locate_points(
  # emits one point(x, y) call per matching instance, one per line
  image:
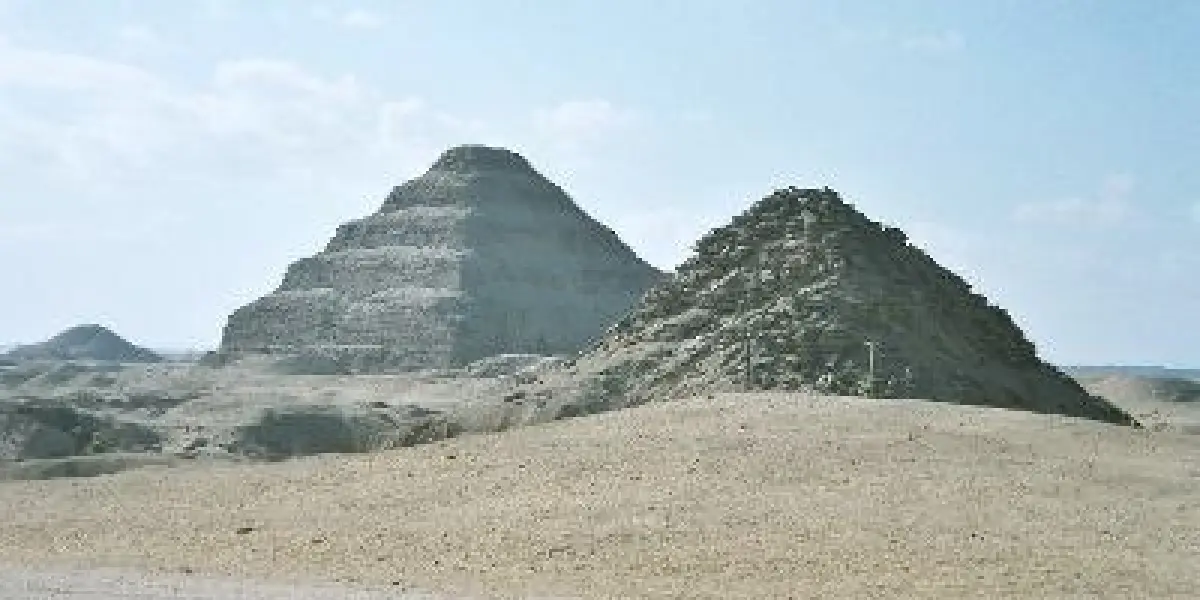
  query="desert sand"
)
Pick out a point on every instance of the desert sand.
point(736, 496)
point(112, 584)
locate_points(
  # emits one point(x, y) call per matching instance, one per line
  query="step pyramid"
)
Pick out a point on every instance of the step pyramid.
point(479, 256)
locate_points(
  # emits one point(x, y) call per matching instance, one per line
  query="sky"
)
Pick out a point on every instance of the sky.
point(162, 162)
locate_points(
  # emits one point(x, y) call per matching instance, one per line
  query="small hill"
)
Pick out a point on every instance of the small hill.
point(803, 292)
point(85, 342)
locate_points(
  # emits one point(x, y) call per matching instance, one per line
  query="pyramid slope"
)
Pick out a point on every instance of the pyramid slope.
point(792, 294)
point(85, 342)
point(479, 256)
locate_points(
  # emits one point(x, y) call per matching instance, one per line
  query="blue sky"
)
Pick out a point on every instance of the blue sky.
point(162, 162)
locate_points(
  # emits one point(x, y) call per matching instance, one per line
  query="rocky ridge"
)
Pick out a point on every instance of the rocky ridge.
point(802, 292)
point(479, 256)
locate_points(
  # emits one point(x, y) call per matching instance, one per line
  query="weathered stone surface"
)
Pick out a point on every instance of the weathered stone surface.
point(85, 342)
point(788, 297)
point(55, 429)
point(319, 429)
point(479, 256)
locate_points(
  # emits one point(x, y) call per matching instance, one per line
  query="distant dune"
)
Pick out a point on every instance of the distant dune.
point(180, 355)
point(1161, 403)
point(1132, 371)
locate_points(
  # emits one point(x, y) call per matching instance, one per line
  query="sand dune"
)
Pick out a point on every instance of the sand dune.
point(731, 497)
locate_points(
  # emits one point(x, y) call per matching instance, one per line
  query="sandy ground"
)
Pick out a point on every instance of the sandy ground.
point(108, 584)
point(765, 496)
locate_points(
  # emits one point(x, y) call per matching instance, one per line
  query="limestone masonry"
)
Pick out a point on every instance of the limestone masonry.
point(803, 292)
point(479, 256)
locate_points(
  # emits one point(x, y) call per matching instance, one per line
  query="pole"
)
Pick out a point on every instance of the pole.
point(870, 368)
point(749, 363)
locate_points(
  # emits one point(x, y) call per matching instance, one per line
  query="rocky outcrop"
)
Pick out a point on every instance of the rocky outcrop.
point(85, 342)
point(803, 292)
point(55, 429)
point(479, 256)
point(304, 430)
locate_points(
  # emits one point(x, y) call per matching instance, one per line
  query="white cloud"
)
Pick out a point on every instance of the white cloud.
point(1172, 263)
point(1116, 187)
point(320, 12)
point(938, 43)
point(410, 124)
point(70, 122)
point(696, 117)
point(951, 247)
point(580, 122)
point(1110, 206)
point(1072, 210)
point(138, 35)
point(7, 9)
point(859, 35)
point(352, 19)
point(946, 42)
point(284, 77)
point(217, 9)
point(35, 69)
point(395, 116)
point(148, 225)
point(361, 19)
point(86, 120)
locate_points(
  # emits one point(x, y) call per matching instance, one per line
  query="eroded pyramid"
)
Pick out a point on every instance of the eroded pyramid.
point(479, 256)
point(792, 295)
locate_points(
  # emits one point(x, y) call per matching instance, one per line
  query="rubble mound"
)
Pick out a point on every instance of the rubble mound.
point(506, 365)
point(320, 429)
point(55, 429)
point(85, 342)
point(802, 292)
point(480, 256)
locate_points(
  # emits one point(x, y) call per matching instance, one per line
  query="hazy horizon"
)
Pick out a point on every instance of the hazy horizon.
point(164, 162)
